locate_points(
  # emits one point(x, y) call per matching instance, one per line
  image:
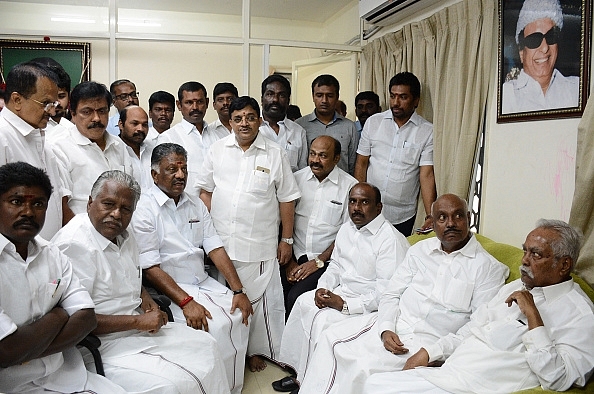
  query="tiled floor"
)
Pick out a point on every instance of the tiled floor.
point(259, 382)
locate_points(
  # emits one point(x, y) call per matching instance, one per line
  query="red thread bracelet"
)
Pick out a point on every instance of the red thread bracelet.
point(185, 301)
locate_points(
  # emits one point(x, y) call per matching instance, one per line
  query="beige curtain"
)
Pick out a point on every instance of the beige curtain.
point(452, 53)
point(582, 207)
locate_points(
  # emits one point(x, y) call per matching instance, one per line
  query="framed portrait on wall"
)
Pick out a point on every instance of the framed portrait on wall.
point(75, 57)
point(544, 59)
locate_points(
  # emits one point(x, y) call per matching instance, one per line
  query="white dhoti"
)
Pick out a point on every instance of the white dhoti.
point(409, 382)
point(228, 330)
point(304, 328)
point(348, 353)
point(263, 286)
point(177, 359)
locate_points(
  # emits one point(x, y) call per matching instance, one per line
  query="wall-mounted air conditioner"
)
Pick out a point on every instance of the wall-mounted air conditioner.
point(388, 12)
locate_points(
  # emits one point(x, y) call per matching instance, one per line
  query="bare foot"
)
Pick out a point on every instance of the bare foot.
point(256, 363)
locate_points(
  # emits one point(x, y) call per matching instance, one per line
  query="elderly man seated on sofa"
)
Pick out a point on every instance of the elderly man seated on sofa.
point(537, 331)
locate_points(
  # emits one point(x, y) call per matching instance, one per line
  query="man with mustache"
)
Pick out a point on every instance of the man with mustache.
point(366, 253)
point(366, 104)
point(396, 154)
point(138, 353)
point(247, 183)
point(133, 131)
point(222, 95)
point(539, 85)
point(276, 94)
point(324, 120)
point(441, 281)
point(537, 331)
point(87, 150)
point(174, 231)
point(192, 132)
point(44, 311)
point(161, 112)
point(31, 98)
point(319, 213)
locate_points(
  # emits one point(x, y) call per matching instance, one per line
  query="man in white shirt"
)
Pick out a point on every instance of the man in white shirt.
point(539, 85)
point(222, 95)
point(192, 132)
point(138, 353)
point(87, 150)
point(396, 154)
point(276, 94)
point(324, 120)
point(367, 103)
point(319, 213)
point(441, 281)
point(123, 93)
point(31, 98)
point(44, 311)
point(247, 184)
point(174, 231)
point(534, 332)
point(134, 127)
point(366, 253)
point(161, 112)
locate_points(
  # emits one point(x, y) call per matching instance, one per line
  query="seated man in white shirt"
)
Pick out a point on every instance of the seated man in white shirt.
point(319, 213)
point(366, 253)
point(535, 332)
point(87, 150)
point(171, 229)
point(44, 311)
point(441, 281)
point(138, 353)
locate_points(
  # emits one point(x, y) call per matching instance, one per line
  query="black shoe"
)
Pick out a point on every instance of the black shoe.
point(285, 385)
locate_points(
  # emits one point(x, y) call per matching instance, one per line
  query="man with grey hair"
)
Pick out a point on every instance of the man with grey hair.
point(440, 283)
point(123, 93)
point(137, 354)
point(174, 232)
point(535, 332)
point(539, 85)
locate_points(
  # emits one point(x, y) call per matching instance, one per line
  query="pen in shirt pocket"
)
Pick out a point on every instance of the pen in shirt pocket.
point(192, 221)
point(57, 283)
point(335, 202)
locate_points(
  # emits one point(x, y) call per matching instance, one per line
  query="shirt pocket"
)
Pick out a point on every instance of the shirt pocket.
point(331, 213)
point(410, 153)
point(454, 293)
point(53, 293)
point(507, 336)
point(293, 155)
point(259, 182)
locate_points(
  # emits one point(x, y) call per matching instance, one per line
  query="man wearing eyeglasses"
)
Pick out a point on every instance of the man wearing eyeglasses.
point(539, 85)
point(31, 98)
point(87, 150)
point(123, 93)
point(247, 183)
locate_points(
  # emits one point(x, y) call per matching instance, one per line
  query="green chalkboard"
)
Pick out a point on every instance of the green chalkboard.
point(75, 57)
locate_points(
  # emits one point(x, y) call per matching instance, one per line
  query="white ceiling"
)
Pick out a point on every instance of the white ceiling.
point(305, 10)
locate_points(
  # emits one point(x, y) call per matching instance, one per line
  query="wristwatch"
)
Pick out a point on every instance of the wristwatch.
point(240, 291)
point(345, 308)
point(319, 263)
point(287, 240)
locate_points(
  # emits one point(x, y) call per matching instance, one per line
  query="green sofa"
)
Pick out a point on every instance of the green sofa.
point(512, 257)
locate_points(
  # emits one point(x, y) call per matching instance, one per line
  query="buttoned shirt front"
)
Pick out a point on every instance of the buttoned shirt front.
point(433, 293)
point(555, 355)
point(19, 141)
point(173, 236)
point(29, 289)
point(246, 190)
point(363, 261)
point(525, 94)
point(341, 129)
point(82, 161)
point(109, 271)
point(290, 136)
point(196, 143)
point(395, 157)
point(320, 211)
point(142, 165)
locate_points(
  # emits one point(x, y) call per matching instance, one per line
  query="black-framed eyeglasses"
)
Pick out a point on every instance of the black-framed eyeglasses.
point(534, 40)
point(126, 96)
point(47, 106)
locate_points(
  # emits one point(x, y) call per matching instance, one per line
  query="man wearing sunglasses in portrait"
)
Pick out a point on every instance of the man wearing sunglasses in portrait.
point(539, 85)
